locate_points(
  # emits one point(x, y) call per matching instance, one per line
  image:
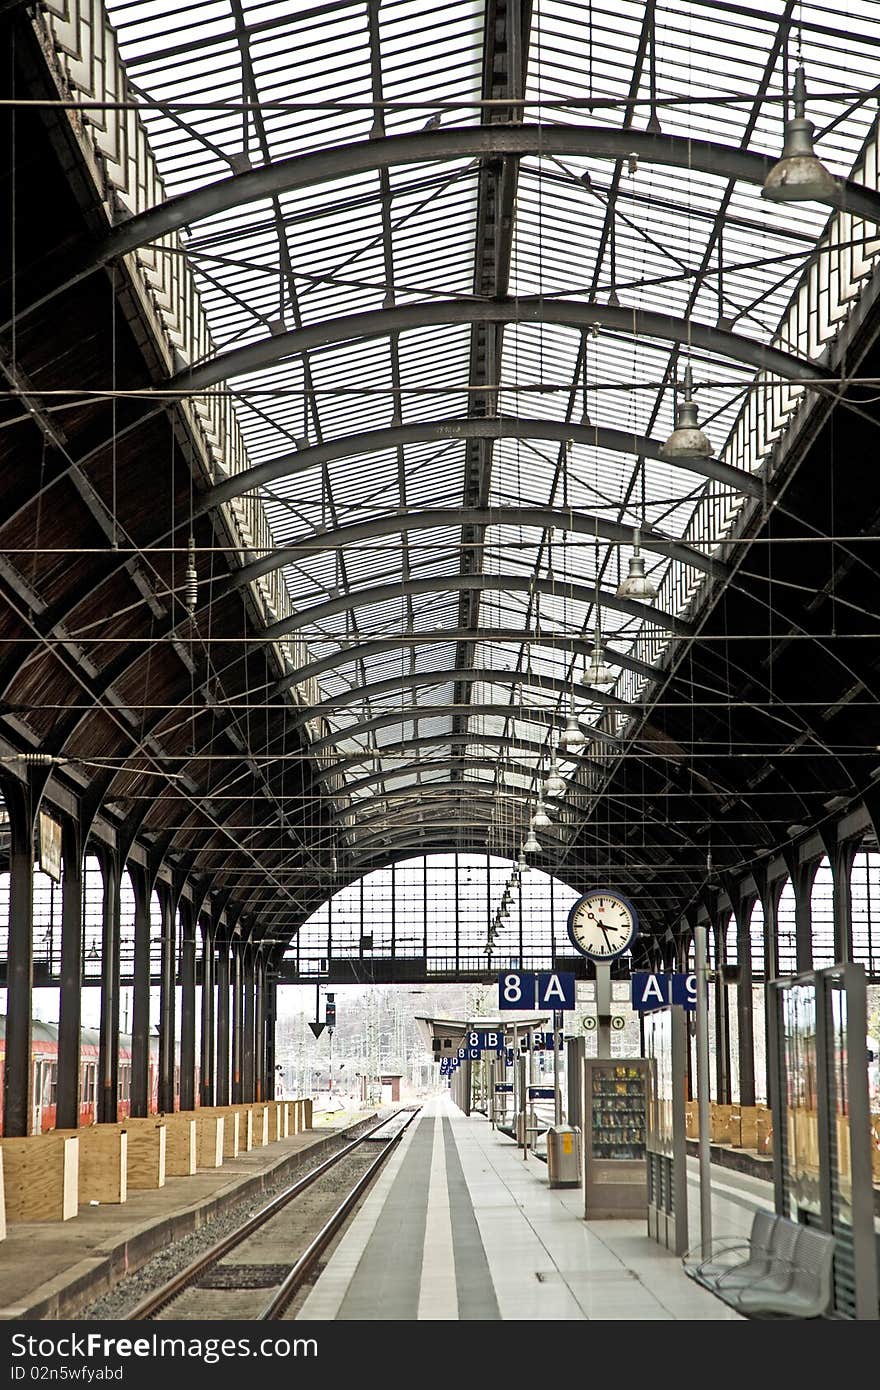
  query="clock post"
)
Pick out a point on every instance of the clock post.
point(603, 1008)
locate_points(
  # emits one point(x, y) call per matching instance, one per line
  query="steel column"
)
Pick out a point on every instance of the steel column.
point(108, 1039)
point(259, 1030)
point(206, 1061)
point(248, 1076)
point(221, 1083)
point(237, 987)
point(70, 991)
point(167, 999)
point(140, 1011)
point(841, 862)
point(745, 1019)
point(722, 1019)
point(19, 969)
point(271, 1015)
point(187, 1011)
point(802, 876)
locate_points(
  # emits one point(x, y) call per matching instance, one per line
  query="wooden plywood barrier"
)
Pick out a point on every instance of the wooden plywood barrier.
point(209, 1138)
point(231, 1130)
point(41, 1177)
point(261, 1124)
point(722, 1124)
point(875, 1146)
point(246, 1129)
point(764, 1132)
point(749, 1126)
point(307, 1113)
point(103, 1163)
point(147, 1143)
point(284, 1114)
point(181, 1147)
point(277, 1124)
point(231, 1127)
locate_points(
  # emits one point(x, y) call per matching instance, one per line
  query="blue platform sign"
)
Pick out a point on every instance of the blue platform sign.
point(655, 990)
point(555, 991)
point(503, 1088)
point(551, 989)
point(684, 990)
point(541, 1093)
point(485, 1041)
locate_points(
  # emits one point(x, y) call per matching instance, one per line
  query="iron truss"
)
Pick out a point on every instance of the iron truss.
point(452, 261)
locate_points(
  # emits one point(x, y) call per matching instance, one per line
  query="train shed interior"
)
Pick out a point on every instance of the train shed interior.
point(437, 484)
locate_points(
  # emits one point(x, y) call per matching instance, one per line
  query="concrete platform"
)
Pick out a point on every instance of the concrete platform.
point(52, 1270)
point(460, 1227)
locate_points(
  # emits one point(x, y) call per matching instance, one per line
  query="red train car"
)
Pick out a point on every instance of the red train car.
point(44, 1076)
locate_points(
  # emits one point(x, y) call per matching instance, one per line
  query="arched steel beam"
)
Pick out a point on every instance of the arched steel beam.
point(380, 323)
point(449, 792)
point(422, 431)
point(362, 651)
point(441, 765)
point(388, 834)
point(443, 807)
point(348, 535)
point(537, 715)
point(418, 745)
point(498, 583)
point(458, 142)
point(432, 518)
point(413, 789)
point(486, 675)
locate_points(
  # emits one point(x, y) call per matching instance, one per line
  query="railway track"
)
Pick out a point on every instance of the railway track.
point(255, 1261)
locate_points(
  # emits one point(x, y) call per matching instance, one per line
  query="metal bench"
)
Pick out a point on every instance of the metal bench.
point(735, 1258)
point(786, 1271)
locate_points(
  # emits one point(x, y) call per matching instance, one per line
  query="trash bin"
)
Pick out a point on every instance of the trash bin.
point(564, 1155)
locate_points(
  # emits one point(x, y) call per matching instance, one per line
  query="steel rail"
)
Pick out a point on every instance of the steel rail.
point(167, 1292)
point(307, 1260)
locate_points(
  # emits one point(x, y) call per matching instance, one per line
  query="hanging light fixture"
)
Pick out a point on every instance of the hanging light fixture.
point(597, 673)
point(531, 845)
point(637, 584)
point(687, 440)
point(540, 820)
point(191, 578)
point(571, 737)
point(553, 784)
point(521, 863)
point(799, 175)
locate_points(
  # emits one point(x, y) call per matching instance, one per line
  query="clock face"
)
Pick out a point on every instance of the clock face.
point(603, 924)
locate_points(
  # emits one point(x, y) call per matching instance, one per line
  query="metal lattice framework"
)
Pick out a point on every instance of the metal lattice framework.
point(408, 293)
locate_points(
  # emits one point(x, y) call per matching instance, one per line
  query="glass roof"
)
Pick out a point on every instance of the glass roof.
point(405, 612)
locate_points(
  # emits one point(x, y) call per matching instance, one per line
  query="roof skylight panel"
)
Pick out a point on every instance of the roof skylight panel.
point(146, 32)
point(428, 48)
point(438, 551)
point(432, 656)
